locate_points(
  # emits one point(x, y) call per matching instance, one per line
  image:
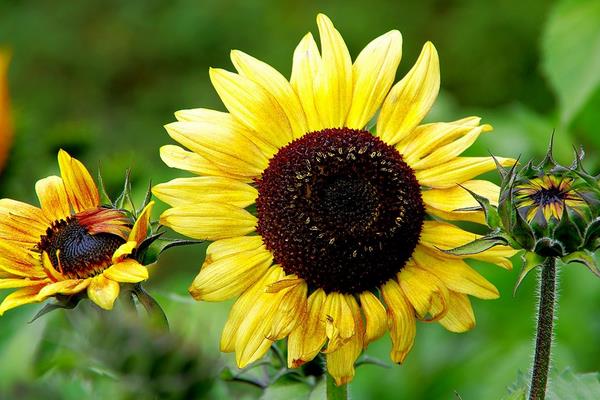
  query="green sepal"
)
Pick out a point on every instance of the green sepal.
point(368, 360)
point(492, 218)
point(591, 234)
point(530, 260)
point(156, 314)
point(547, 247)
point(522, 231)
point(567, 233)
point(584, 257)
point(480, 245)
point(548, 161)
point(104, 197)
point(61, 303)
point(147, 199)
point(125, 196)
point(159, 244)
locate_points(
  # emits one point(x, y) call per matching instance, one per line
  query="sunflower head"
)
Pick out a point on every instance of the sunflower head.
point(72, 245)
point(328, 201)
point(550, 209)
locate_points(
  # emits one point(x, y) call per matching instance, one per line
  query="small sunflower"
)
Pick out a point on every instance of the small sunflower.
point(548, 196)
point(345, 241)
point(70, 244)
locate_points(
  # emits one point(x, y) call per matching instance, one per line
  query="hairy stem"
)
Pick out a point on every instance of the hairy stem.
point(545, 325)
point(335, 392)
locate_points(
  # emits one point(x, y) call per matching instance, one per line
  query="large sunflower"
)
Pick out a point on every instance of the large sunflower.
point(345, 241)
point(70, 245)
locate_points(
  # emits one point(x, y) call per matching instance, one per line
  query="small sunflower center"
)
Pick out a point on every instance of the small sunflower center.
point(547, 196)
point(341, 209)
point(75, 252)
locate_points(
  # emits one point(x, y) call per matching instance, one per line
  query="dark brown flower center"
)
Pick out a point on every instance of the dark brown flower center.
point(74, 251)
point(340, 209)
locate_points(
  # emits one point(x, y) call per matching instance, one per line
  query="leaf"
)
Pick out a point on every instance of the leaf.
point(61, 303)
point(477, 246)
point(571, 54)
point(492, 219)
point(157, 245)
point(530, 260)
point(573, 386)
point(287, 389)
point(583, 257)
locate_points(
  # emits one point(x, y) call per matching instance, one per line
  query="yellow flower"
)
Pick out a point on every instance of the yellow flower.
point(70, 244)
point(346, 240)
point(548, 196)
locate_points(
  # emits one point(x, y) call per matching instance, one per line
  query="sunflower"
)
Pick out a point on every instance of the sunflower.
point(345, 240)
point(70, 244)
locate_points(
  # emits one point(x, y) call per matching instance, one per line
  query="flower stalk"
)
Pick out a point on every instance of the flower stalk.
point(335, 392)
point(544, 333)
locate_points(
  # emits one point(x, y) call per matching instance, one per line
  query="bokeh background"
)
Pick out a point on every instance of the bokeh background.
point(101, 78)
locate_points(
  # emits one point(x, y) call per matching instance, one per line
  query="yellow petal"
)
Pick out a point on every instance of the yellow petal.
point(211, 189)
point(401, 320)
point(20, 261)
point(428, 139)
point(227, 149)
point(253, 106)
point(223, 119)
point(176, 157)
point(455, 273)
point(425, 291)
point(339, 320)
point(437, 235)
point(460, 317)
point(243, 305)
point(306, 66)
point(103, 291)
point(127, 271)
point(252, 340)
point(53, 198)
point(373, 74)
point(21, 222)
point(340, 363)
point(228, 247)
point(209, 221)
point(11, 283)
point(139, 232)
point(375, 316)
point(456, 197)
point(20, 297)
point(229, 276)
point(276, 85)
point(410, 99)
point(67, 287)
point(459, 170)
point(290, 311)
point(308, 337)
point(333, 86)
point(123, 251)
point(81, 189)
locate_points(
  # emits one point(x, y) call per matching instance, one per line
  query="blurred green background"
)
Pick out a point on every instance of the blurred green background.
point(100, 78)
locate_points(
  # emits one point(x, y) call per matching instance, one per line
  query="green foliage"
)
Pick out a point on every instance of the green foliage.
point(571, 50)
point(565, 385)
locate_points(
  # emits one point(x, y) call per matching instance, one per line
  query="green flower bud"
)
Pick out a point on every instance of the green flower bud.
point(549, 209)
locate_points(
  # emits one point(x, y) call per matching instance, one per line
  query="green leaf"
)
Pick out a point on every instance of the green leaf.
point(571, 54)
point(583, 257)
point(492, 219)
point(477, 246)
point(530, 260)
point(61, 303)
point(288, 389)
point(572, 386)
point(156, 245)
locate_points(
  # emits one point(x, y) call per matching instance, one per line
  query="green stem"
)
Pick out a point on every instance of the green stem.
point(335, 392)
point(545, 325)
